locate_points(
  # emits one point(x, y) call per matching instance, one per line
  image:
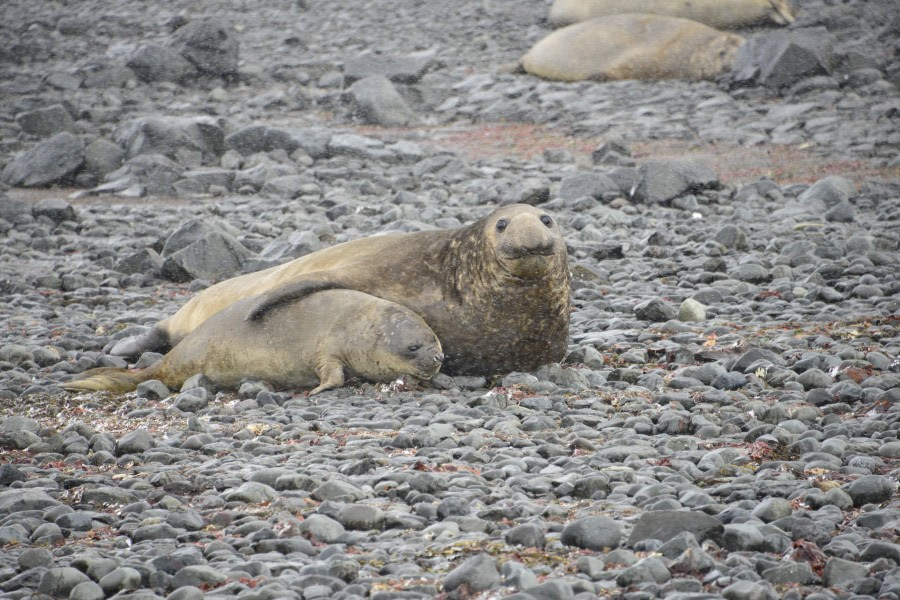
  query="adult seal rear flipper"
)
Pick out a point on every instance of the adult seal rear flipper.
point(155, 340)
point(288, 293)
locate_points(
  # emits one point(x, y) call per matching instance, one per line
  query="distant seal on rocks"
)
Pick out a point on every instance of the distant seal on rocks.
point(496, 292)
point(633, 46)
point(343, 333)
point(719, 14)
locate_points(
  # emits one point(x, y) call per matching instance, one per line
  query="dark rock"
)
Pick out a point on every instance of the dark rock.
point(45, 121)
point(654, 310)
point(210, 45)
point(478, 573)
point(665, 524)
point(660, 182)
point(172, 137)
point(160, 63)
point(870, 489)
point(55, 209)
point(592, 533)
point(102, 157)
point(781, 58)
point(217, 255)
point(53, 160)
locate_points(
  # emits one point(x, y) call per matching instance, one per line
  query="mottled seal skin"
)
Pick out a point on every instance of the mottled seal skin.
point(719, 14)
point(316, 337)
point(633, 46)
point(496, 292)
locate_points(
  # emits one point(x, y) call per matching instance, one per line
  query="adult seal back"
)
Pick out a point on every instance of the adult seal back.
point(719, 14)
point(496, 292)
point(345, 334)
point(633, 46)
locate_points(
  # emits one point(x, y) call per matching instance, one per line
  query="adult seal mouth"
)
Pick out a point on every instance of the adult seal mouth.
point(496, 291)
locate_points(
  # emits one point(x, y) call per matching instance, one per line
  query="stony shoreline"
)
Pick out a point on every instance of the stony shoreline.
point(725, 424)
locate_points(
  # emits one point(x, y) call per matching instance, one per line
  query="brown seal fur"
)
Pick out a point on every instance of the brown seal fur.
point(496, 291)
point(342, 330)
point(633, 46)
point(718, 14)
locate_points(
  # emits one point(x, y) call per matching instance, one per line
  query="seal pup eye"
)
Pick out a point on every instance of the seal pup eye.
point(546, 220)
point(501, 224)
point(413, 348)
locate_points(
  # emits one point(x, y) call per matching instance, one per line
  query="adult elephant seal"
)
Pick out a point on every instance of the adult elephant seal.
point(633, 46)
point(496, 291)
point(719, 14)
point(345, 333)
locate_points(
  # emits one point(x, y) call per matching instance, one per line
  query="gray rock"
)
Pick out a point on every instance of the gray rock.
point(870, 489)
point(322, 528)
point(732, 237)
point(152, 62)
point(592, 533)
point(376, 101)
point(87, 590)
point(691, 311)
point(120, 580)
point(552, 589)
point(829, 192)
point(53, 160)
point(43, 122)
point(135, 442)
point(748, 590)
point(647, 570)
point(843, 573)
point(791, 572)
point(55, 209)
point(781, 58)
point(477, 573)
point(59, 581)
point(210, 45)
point(142, 261)
point(218, 255)
point(527, 534)
point(654, 310)
point(177, 138)
point(360, 516)
point(198, 576)
point(588, 184)
point(102, 157)
point(772, 509)
point(660, 182)
point(251, 492)
point(399, 69)
point(666, 524)
point(339, 491)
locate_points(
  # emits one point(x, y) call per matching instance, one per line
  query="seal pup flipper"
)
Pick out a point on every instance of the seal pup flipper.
point(330, 372)
point(155, 340)
point(287, 294)
point(107, 379)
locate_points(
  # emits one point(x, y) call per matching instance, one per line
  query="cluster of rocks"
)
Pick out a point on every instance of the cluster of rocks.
point(726, 421)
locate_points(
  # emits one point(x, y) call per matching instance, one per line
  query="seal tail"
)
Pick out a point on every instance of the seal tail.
point(107, 379)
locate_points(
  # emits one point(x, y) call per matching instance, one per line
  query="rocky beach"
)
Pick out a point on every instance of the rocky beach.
point(726, 423)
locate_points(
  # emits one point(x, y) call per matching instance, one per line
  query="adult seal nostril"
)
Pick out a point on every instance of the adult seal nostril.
point(495, 305)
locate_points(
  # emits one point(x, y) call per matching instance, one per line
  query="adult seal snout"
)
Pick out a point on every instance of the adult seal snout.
point(496, 291)
point(317, 337)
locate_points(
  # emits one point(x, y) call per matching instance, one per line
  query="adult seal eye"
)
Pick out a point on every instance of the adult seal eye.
point(546, 220)
point(414, 347)
point(501, 224)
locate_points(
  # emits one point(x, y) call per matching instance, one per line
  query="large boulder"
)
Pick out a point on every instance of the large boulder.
point(153, 62)
point(782, 58)
point(174, 137)
point(210, 45)
point(376, 101)
point(53, 160)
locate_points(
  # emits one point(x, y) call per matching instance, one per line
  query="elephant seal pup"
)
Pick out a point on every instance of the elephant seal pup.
point(633, 46)
point(342, 330)
point(496, 292)
point(718, 14)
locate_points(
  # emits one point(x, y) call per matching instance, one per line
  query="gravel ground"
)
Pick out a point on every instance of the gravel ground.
point(726, 422)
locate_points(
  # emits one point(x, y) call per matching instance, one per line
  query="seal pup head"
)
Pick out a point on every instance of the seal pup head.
point(413, 347)
point(526, 241)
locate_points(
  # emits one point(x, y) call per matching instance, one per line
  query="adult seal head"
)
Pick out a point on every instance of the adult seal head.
point(496, 291)
point(346, 334)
